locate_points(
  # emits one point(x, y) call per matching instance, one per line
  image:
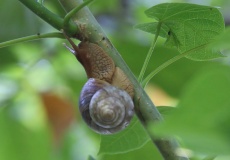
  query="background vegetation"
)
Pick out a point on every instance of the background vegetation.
point(40, 83)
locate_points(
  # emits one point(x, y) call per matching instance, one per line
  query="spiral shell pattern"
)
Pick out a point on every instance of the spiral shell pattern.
point(105, 108)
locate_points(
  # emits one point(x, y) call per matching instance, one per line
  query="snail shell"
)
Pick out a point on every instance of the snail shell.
point(105, 108)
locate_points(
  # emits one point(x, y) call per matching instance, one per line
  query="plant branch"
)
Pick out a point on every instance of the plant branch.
point(30, 38)
point(70, 14)
point(146, 62)
point(145, 109)
point(51, 18)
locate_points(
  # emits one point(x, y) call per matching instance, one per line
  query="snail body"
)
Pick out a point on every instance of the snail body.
point(95, 61)
point(105, 101)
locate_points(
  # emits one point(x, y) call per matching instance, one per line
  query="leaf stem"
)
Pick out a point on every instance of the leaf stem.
point(143, 69)
point(32, 37)
point(70, 14)
point(167, 63)
point(51, 18)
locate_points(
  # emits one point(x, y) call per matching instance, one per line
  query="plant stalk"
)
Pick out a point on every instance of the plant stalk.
point(145, 109)
point(51, 18)
point(31, 38)
point(70, 14)
point(167, 63)
point(150, 52)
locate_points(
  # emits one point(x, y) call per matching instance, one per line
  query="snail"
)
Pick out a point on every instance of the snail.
point(105, 101)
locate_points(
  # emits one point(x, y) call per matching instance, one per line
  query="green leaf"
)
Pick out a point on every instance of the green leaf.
point(147, 152)
point(191, 27)
point(127, 140)
point(152, 27)
point(202, 117)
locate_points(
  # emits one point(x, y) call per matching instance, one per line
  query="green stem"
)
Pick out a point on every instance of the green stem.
point(146, 62)
point(51, 18)
point(30, 38)
point(144, 108)
point(73, 11)
point(167, 63)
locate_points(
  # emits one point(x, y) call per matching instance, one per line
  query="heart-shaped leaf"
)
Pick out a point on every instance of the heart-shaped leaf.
point(189, 27)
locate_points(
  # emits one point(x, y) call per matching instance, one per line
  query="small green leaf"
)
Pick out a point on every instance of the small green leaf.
point(202, 117)
point(191, 27)
point(129, 139)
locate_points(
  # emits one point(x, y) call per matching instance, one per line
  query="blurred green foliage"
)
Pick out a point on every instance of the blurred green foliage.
point(29, 70)
point(202, 116)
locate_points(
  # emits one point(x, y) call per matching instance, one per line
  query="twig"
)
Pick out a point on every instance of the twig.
point(51, 18)
point(31, 38)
